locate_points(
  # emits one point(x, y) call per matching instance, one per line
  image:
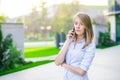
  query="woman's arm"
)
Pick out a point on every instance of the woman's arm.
point(73, 69)
point(61, 55)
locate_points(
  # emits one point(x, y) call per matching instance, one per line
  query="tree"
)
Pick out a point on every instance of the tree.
point(62, 20)
point(37, 21)
point(43, 20)
point(19, 20)
point(43, 13)
point(2, 18)
point(32, 23)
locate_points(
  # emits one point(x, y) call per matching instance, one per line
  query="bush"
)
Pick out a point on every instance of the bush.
point(0, 34)
point(104, 39)
point(62, 37)
point(10, 56)
point(57, 37)
point(2, 18)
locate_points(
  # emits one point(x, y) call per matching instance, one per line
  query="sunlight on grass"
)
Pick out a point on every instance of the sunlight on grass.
point(37, 48)
point(40, 52)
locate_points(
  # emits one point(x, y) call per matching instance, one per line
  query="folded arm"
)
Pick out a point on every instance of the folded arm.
point(61, 55)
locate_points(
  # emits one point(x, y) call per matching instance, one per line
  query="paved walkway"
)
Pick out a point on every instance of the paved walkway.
point(106, 66)
point(39, 44)
point(41, 58)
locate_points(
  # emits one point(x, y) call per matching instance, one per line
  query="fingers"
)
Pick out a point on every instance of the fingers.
point(71, 33)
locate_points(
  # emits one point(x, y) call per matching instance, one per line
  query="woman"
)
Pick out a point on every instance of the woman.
point(78, 50)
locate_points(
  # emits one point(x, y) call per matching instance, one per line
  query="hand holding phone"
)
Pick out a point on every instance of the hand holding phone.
point(71, 34)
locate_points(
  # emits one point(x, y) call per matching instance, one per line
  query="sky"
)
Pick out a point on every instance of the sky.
point(14, 8)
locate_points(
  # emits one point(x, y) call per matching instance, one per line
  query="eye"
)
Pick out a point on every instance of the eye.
point(75, 23)
point(81, 23)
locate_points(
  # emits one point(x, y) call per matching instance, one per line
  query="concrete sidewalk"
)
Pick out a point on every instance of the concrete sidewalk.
point(45, 72)
point(41, 58)
point(105, 66)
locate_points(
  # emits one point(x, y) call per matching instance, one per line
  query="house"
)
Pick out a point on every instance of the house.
point(114, 18)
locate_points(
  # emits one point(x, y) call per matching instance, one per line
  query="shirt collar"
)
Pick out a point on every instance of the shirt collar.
point(81, 41)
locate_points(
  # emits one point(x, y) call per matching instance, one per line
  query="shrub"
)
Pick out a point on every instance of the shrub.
point(57, 39)
point(10, 56)
point(104, 39)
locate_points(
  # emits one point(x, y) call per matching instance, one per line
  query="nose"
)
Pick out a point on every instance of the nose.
point(77, 26)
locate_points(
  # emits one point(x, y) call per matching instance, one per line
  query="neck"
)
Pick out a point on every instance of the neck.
point(79, 38)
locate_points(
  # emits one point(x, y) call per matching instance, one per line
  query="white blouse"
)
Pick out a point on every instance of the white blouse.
point(78, 57)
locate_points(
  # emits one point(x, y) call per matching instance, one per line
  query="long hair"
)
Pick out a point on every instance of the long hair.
point(89, 34)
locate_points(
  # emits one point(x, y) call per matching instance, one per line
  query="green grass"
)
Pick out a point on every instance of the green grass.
point(33, 64)
point(32, 53)
point(40, 52)
point(104, 47)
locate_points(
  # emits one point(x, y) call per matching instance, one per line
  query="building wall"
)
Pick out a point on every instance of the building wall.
point(113, 27)
point(17, 31)
point(97, 29)
point(114, 18)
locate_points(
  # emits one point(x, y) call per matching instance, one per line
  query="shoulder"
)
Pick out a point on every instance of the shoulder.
point(91, 46)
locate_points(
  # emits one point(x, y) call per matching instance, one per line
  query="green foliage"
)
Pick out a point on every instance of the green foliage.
point(2, 19)
point(19, 20)
point(63, 19)
point(108, 24)
point(29, 65)
point(104, 39)
point(63, 37)
point(0, 34)
point(10, 56)
point(103, 47)
point(94, 22)
point(57, 37)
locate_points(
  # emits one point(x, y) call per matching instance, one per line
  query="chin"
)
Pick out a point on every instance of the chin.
point(78, 33)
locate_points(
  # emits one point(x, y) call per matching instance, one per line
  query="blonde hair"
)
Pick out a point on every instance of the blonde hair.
point(89, 34)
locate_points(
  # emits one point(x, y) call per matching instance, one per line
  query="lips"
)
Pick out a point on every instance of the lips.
point(77, 30)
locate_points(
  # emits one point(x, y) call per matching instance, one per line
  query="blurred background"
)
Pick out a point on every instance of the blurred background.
point(38, 30)
point(43, 18)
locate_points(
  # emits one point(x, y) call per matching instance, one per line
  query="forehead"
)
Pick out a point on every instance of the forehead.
point(77, 19)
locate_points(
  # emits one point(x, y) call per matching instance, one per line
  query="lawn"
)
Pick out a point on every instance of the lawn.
point(33, 53)
point(40, 51)
point(30, 65)
point(104, 47)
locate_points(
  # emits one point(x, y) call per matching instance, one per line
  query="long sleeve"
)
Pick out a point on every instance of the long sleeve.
point(88, 57)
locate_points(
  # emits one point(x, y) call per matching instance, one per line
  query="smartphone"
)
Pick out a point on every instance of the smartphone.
point(73, 30)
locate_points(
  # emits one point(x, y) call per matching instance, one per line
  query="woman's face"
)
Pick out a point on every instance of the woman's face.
point(79, 27)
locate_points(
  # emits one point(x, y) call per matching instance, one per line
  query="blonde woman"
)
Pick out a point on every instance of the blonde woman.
point(78, 50)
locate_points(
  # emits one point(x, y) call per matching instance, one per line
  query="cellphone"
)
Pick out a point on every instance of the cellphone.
point(73, 30)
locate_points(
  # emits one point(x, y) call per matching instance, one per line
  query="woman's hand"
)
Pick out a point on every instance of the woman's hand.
point(70, 36)
point(64, 64)
point(73, 69)
point(61, 55)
